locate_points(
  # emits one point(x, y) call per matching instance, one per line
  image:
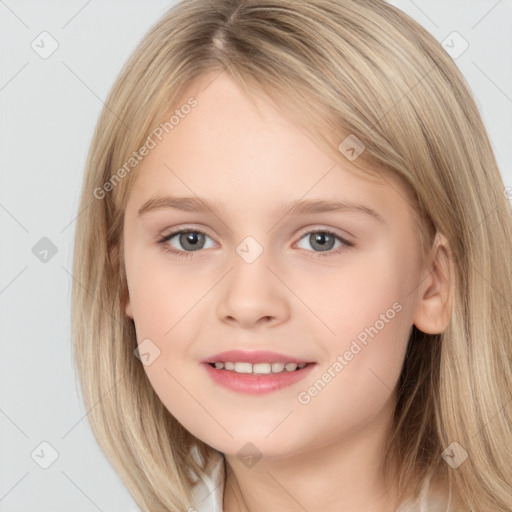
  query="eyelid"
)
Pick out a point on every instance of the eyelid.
point(186, 227)
point(344, 235)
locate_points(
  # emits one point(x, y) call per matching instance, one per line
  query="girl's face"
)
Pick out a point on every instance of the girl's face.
point(343, 300)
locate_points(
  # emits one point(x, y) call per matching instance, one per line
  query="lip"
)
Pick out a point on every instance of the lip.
point(260, 356)
point(255, 384)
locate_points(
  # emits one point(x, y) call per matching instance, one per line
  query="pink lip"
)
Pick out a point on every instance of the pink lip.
point(255, 384)
point(260, 356)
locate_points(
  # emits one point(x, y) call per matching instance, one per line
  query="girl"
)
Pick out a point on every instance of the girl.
point(292, 279)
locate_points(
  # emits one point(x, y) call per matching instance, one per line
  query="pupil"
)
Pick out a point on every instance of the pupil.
point(190, 240)
point(320, 239)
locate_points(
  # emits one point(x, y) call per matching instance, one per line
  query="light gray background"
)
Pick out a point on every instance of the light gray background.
point(49, 110)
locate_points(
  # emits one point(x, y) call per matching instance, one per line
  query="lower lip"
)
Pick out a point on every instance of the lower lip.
point(257, 384)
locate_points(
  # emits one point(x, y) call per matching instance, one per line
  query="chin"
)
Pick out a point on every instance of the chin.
point(254, 443)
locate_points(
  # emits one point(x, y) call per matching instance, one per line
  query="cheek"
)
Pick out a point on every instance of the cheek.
point(368, 301)
point(162, 295)
point(165, 304)
point(356, 386)
point(370, 315)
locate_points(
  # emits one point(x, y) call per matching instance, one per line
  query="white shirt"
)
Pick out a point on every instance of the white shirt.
point(208, 493)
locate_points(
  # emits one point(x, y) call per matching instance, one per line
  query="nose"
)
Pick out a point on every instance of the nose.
point(252, 294)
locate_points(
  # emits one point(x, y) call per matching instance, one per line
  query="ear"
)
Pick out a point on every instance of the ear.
point(128, 308)
point(117, 263)
point(434, 308)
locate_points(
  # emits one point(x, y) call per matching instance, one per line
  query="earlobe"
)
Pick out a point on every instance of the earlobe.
point(118, 263)
point(433, 312)
point(128, 309)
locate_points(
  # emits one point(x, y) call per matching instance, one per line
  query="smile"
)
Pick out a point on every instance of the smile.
point(257, 378)
point(258, 368)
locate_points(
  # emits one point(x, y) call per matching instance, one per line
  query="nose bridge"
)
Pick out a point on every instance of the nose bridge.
point(252, 290)
point(251, 250)
point(251, 265)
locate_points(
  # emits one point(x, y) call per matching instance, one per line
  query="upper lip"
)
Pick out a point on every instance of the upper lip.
point(260, 356)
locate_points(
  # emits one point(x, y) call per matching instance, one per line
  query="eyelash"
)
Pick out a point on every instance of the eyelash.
point(188, 254)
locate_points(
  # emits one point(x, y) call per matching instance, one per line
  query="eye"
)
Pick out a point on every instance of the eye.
point(189, 240)
point(192, 240)
point(325, 240)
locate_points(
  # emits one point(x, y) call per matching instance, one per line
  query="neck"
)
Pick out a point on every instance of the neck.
point(345, 475)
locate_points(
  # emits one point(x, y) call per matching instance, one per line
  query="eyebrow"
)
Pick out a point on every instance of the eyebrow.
point(305, 206)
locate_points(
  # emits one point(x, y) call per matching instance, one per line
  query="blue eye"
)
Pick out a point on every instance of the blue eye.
point(193, 240)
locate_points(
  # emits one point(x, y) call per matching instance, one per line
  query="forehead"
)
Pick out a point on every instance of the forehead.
point(247, 151)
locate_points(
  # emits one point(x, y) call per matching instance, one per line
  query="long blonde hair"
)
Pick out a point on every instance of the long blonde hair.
point(342, 67)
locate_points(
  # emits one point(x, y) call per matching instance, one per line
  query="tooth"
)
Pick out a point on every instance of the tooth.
point(258, 368)
point(261, 368)
point(243, 367)
point(277, 367)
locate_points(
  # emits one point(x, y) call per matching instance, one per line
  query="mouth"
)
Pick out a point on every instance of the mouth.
point(258, 368)
point(256, 378)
